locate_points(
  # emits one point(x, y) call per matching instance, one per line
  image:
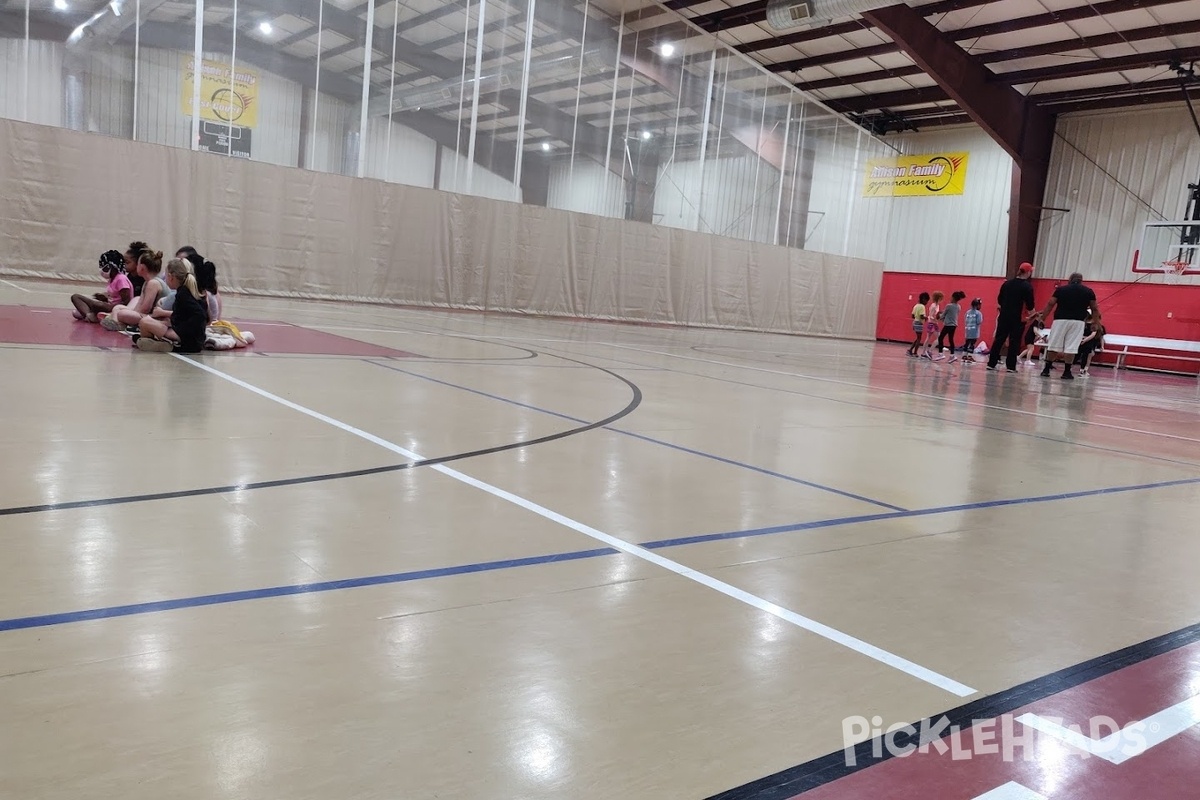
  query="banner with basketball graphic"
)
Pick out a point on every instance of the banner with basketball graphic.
point(224, 97)
point(928, 175)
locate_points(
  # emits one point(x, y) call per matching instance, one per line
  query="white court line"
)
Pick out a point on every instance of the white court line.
point(15, 286)
point(1132, 740)
point(1011, 791)
point(800, 621)
point(784, 373)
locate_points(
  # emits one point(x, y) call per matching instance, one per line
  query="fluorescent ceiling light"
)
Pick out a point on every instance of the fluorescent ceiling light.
point(265, 28)
point(667, 49)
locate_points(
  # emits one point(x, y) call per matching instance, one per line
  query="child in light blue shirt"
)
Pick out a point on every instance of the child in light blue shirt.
point(973, 322)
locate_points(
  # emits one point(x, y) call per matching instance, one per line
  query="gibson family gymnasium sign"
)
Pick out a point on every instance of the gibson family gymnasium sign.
point(926, 175)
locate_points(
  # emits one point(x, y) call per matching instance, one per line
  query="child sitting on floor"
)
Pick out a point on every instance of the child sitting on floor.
point(118, 292)
point(184, 331)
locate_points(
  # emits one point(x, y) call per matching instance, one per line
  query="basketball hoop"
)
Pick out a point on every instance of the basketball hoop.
point(1173, 271)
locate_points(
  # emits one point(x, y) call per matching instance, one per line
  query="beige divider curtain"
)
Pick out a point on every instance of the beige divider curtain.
point(65, 197)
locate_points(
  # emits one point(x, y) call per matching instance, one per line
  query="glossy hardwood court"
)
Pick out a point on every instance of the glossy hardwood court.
point(394, 553)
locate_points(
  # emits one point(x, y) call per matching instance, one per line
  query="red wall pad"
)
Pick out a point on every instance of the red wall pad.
point(1131, 309)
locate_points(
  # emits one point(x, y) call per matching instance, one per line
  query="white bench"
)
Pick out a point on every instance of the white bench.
point(1174, 349)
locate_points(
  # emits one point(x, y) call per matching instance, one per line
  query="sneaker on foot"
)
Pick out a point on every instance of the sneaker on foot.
point(1013, 371)
point(151, 345)
point(1067, 376)
point(109, 323)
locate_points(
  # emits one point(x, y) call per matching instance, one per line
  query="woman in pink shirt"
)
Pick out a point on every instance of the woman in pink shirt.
point(119, 291)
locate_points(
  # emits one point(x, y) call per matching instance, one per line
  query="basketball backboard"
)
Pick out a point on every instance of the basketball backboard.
point(1169, 247)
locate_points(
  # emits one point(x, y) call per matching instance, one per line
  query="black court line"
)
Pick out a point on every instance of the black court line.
point(634, 402)
point(831, 767)
point(906, 412)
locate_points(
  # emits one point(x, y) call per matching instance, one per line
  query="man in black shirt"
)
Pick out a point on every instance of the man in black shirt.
point(1074, 302)
point(1016, 297)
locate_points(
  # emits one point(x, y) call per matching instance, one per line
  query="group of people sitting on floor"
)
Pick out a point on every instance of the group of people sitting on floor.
point(179, 312)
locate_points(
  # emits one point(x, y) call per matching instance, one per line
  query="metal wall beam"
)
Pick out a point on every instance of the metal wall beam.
point(1025, 131)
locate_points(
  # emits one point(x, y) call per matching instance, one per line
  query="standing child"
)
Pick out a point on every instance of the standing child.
point(918, 323)
point(1033, 332)
point(933, 323)
point(1093, 341)
point(974, 322)
point(950, 323)
point(119, 291)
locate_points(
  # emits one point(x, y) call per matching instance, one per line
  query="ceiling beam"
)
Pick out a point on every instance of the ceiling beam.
point(888, 100)
point(1118, 101)
point(841, 28)
point(1049, 48)
point(1024, 130)
point(963, 34)
point(1097, 66)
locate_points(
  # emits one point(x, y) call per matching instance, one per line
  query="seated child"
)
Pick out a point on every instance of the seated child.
point(183, 332)
point(149, 265)
point(118, 292)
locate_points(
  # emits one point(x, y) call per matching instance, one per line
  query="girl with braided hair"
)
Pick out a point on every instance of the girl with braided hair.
point(118, 292)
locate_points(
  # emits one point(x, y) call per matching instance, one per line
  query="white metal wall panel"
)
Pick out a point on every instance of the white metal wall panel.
point(741, 198)
point(107, 76)
point(398, 154)
point(963, 234)
point(736, 196)
point(1115, 172)
point(160, 105)
point(36, 95)
point(483, 182)
point(276, 138)
point(871, 218)
point(327, 140)
point(677, 195)
point(835, 189)
point(587, 188)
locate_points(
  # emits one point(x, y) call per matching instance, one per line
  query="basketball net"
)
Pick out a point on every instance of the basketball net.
point(1173, 271)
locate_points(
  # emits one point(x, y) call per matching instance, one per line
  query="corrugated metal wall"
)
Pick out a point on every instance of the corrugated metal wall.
point(398, 154)
point(736, 196)
point(588, 188)
point(107, 81)
point(1115, 172)
point(159, 76)
point(840, 219)
point(959, 234)
point(677, 195)
point(482, 184)
point(38, 96)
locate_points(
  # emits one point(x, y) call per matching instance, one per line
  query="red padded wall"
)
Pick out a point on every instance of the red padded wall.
point(1134, 309)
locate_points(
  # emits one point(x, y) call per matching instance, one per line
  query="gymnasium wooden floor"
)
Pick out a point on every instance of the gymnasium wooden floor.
point(416, 554)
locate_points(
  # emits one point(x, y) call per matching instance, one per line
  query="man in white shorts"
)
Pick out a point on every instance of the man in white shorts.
point(1071, 303)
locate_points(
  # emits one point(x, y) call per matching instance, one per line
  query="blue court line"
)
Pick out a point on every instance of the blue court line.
point(644, 438)
point(47, 620)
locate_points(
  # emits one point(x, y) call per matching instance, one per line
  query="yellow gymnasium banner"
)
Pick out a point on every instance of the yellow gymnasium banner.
point(928, 175)
point(220, 100)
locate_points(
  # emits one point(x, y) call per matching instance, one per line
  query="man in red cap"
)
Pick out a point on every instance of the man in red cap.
point(1015, 299)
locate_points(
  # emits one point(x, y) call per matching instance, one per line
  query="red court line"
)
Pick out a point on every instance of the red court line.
point(57, 326)
point(1045, 764)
